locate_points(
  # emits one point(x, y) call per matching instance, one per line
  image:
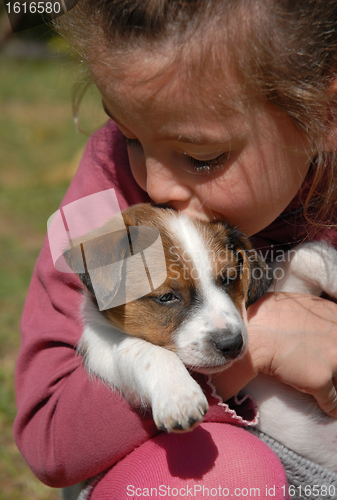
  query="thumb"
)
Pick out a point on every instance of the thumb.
point(234, 378)
point(327, 399)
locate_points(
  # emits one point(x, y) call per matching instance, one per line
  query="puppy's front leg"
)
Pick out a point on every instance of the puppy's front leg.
point(145, 374)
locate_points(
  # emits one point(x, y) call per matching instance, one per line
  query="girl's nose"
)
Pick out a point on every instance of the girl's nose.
point(165, 184)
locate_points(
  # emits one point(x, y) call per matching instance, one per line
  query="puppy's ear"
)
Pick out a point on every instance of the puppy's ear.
point(75, 259)
point(260, 278)
point(93, 255)
point(254, 271)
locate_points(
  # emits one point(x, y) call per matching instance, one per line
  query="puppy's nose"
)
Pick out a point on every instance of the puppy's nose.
point(228, 343)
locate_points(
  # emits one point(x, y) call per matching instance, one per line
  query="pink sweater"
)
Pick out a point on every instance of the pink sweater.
point(68, 427)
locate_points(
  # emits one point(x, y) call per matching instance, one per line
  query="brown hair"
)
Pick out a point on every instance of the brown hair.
point(284, 51)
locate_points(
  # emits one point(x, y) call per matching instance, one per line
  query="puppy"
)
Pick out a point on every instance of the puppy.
point(200, 283)
point(196, 314)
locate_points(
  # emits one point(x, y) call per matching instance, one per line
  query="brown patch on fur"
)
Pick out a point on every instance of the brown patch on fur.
point(145, 317)
point(228, 272)
point(254, 278)
point(239, 291)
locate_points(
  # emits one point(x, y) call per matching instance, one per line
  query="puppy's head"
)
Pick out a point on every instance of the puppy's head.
point(209, 275)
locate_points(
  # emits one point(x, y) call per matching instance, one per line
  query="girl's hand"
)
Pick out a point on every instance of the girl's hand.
point(294, 338)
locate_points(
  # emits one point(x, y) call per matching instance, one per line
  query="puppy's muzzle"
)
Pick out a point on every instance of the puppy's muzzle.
point(227, 343)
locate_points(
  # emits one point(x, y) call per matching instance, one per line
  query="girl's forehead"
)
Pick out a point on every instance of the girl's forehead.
point(150, 77)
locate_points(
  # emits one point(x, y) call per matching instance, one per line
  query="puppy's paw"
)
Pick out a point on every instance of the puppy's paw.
point(180, 410)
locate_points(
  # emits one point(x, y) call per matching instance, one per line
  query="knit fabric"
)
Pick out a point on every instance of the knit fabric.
point(307, 480)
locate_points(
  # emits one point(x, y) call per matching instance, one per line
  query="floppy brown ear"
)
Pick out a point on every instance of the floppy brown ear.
point(74, 257)
point(253, 268)
point(93, 255)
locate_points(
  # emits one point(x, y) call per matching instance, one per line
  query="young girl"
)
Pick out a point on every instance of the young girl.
point(228, 110)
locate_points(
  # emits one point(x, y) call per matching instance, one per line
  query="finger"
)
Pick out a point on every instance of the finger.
point(327, 400)
point(229, 382)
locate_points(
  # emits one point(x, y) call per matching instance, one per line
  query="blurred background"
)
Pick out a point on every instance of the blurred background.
point(40, 149)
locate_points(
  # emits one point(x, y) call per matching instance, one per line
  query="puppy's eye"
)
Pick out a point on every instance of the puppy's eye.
point(227, 278)
point(166, 299)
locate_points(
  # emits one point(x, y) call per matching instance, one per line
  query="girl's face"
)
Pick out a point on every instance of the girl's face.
point(209, 161)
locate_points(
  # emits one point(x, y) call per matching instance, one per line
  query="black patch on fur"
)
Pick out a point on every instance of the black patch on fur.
point(260, 277)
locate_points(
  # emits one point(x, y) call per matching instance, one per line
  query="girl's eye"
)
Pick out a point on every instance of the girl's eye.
point(192, 165)
point(207, 166)
point(132, 143)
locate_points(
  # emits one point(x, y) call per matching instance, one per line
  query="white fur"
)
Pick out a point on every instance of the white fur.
point(312, 268)
point(217, 310)
point(192, 336)
point(193, 246)
point(143, 372)
point(288, 416)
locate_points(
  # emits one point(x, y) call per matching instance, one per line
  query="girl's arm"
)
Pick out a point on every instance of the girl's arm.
point(294, 338)
point(68, 427)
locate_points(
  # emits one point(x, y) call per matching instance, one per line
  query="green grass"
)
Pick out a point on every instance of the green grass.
point(39, 153)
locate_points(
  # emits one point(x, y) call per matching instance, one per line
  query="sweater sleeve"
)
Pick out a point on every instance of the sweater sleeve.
point(69, 427)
